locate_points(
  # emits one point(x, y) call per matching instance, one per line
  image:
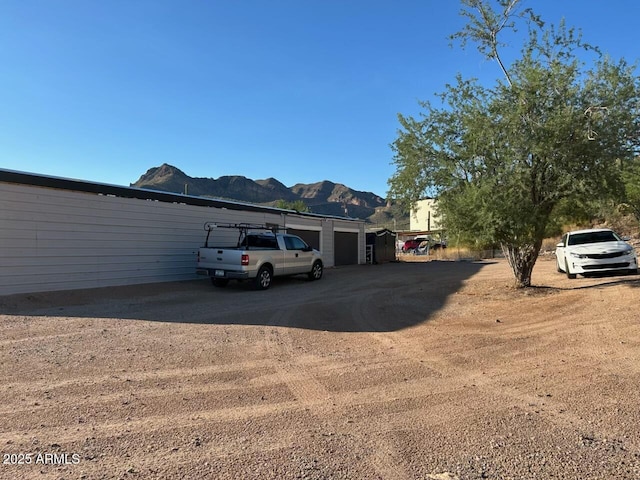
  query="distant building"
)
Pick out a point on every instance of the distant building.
point(423, 217)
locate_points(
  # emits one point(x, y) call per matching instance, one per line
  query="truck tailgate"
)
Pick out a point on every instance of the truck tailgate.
point(218, 262)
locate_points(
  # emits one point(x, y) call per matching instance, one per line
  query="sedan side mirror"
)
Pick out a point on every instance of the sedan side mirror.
point(560, 245)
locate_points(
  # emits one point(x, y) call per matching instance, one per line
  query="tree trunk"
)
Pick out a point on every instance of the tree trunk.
point(522, 259)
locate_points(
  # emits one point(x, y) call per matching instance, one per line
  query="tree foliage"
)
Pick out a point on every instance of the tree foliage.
point(503, 160)
point(297, 205)
point(631, 176)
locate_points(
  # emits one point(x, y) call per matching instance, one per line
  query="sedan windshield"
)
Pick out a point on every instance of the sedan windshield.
point(592, 237)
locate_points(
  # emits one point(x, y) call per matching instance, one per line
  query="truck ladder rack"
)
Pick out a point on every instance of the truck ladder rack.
point(243, 228)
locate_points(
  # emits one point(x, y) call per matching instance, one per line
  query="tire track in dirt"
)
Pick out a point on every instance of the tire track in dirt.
point(386, 457)
point(307, 384)
point(63, 434)
point(387, 460)
point(373, 396)
point(150, 375)
point(363, 395)
point(135, 402)
point(290, 370)
point(40, 338)
point(557, 412)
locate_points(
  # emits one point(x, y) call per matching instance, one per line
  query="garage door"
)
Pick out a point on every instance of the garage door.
point(311, 237)
point(345, 248)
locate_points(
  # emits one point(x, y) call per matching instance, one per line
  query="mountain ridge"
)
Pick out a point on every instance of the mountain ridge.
point(324, 197)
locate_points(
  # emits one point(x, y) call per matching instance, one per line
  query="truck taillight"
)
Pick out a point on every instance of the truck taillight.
point(245, 259)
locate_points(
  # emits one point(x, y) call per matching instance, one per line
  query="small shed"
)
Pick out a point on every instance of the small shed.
point(381, 246)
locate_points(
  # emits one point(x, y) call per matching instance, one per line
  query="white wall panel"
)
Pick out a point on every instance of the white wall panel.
point(53, 239)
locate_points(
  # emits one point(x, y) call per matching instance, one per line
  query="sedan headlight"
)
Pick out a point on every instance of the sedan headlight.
point(578, 255)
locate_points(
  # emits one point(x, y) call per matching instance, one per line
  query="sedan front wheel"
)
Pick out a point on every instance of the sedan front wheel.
point(569, 274)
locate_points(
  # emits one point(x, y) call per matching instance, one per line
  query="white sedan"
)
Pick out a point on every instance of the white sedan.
point(592, 251)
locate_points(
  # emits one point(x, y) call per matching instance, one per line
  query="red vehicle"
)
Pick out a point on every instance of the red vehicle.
point(410, 246)
point(420, 243)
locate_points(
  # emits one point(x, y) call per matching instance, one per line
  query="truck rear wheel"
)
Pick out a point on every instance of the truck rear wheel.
point(263, 279)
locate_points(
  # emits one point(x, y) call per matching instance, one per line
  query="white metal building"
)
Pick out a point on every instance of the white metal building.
point(61, 234)
point(424, 216)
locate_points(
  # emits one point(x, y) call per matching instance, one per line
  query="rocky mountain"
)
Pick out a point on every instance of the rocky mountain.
point(323, 197)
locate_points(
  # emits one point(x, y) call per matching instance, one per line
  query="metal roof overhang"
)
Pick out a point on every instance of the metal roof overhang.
point(46, 181)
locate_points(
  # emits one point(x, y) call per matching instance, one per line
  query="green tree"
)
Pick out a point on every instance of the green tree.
point(297, 205)
point(502, 160)
point(631, 176)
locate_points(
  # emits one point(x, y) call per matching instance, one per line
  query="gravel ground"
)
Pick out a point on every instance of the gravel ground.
point(433, 370)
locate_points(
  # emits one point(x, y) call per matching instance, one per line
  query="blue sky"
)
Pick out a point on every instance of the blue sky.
point(299, 90)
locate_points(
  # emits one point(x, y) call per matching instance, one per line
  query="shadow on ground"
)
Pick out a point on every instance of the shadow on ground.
point(630, 280)
point(371, 298)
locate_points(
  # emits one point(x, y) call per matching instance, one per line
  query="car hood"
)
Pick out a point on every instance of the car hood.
point(600, 248)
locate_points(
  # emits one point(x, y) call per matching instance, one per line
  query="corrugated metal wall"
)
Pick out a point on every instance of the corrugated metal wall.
point(56, 239)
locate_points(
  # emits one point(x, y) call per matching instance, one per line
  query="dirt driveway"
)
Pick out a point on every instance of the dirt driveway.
point(431, 370)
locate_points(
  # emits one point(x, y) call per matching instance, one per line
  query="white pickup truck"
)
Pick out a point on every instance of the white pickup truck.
point(259, 256)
